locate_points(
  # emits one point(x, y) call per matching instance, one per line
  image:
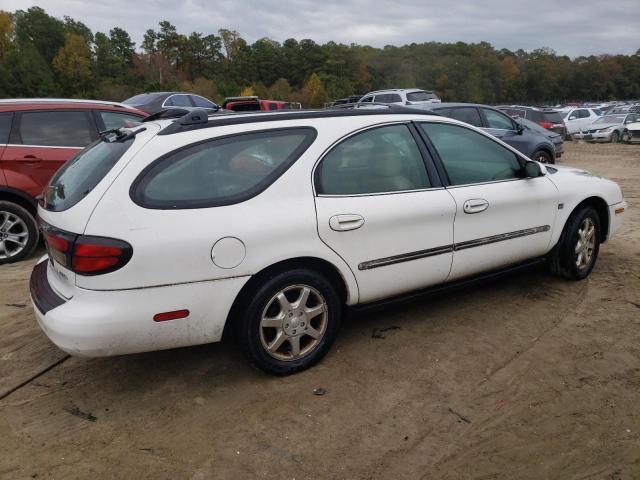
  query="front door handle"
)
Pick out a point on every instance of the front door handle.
point(346, 222)
point(475, 205)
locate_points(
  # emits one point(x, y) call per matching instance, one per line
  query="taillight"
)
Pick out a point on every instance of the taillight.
point(85, 254)
point(547, 125)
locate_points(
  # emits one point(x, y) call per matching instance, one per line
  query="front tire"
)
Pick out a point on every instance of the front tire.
point(18, 233)
point(289, 322)
point(615, 136)
point(577, 250)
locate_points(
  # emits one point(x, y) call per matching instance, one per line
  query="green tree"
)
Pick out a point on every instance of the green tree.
point(44, 31)
point(73, 64)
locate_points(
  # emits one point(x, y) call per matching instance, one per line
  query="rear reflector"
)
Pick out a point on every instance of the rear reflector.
point(619, 210)
point(175, 315)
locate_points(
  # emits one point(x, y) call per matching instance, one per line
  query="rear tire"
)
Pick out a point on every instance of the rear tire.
point(577, 250)
point(289, 322)
point(19, 233)
point(543, 157)
point(626, 137)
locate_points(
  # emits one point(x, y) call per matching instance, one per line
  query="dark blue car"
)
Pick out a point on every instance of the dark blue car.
point(528, 141)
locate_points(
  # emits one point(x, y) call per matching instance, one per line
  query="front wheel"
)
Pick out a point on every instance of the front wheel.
point(626, 137)
point(577, 250)
point(615, 136)
point(289, 322)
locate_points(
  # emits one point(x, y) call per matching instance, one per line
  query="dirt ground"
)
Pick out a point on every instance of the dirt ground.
point(526, 377)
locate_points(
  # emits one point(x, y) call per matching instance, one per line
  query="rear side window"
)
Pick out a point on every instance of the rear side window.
point(56, 129)
point(470, 157)
point(421, 96)
point(82, 173)
point(116, 119)
point(468, 115)
point(222, 171)
point(5, 127)
point(380, 160)
point(367, 99)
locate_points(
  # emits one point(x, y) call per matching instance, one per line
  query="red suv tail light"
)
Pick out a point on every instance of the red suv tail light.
point(85, 254)
point(547, 125)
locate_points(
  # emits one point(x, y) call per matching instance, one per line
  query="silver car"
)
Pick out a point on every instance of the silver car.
point(412, 97)
point(608, 128)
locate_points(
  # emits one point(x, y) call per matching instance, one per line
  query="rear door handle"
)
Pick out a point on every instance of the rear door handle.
point(28, 159)
point(346, 222)
point(475, 205)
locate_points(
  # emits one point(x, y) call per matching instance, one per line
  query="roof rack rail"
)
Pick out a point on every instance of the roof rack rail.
point(236, 118)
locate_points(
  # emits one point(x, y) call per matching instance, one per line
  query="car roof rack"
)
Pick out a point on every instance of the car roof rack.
point(184, 123)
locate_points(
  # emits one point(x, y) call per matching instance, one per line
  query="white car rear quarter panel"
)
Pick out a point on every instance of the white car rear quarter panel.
point(103, 323)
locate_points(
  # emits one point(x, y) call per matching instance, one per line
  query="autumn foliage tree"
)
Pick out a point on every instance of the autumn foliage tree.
point(41, 55)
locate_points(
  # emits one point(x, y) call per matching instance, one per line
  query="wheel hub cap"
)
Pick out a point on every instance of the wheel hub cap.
point(585, 243)
point(293, 322)
point(13, 235)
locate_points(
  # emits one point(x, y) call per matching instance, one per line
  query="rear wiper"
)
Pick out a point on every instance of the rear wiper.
point(120, 136)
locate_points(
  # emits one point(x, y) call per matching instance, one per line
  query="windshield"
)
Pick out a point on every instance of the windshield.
point(140, 99)
point(421, 96)
point(611, 119)
point(82, 173)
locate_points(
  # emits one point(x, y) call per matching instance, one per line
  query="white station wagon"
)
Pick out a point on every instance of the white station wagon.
point(269, 225)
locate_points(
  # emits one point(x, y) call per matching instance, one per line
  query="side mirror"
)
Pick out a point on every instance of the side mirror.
point(532, 170)
point(519, 129)
point(572, 117)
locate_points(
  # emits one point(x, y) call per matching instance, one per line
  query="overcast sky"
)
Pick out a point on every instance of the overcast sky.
point(571, 28)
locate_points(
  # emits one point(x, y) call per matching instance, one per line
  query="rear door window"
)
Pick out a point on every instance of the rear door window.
point(379, 160)
point(5, 127)
point(56, 129)
point(79, 176)
point(222, 171)
point(468, 115)
point(552, 117)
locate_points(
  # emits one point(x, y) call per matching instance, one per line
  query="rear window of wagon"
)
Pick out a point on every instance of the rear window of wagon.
point(80, 174)
point(220, 171)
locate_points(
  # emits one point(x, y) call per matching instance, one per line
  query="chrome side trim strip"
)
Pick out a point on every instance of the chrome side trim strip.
point(499, 238)
point(404, 257)
point(430, 252)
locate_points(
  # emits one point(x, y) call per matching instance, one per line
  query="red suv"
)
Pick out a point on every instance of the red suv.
point(36, 137)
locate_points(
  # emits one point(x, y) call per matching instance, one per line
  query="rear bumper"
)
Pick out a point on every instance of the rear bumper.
point(104, 323)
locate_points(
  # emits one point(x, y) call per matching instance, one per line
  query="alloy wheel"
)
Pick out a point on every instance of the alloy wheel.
point(14, 235)
point(294, 322)
point(585, 244)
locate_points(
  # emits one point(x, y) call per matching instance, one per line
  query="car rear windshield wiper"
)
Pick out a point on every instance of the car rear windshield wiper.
point(120, 136)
